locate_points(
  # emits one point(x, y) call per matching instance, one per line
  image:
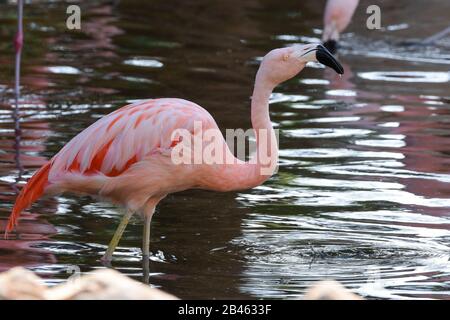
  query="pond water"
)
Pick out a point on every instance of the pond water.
point(362, 194)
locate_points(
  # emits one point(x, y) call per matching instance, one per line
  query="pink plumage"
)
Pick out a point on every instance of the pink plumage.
point(337, 16)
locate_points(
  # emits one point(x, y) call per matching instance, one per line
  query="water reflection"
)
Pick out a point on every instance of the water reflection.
point(362, 192)
point(407, 76)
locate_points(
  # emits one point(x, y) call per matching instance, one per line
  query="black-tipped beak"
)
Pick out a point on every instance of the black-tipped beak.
point(326, 58)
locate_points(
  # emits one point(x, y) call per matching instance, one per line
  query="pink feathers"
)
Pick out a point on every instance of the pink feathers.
point(30, 193)
point(126, 136)
point(338, 14)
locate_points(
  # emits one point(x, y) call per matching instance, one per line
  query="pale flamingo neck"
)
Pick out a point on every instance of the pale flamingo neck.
point(266, 155)
point(245, 175)
point(260, 103)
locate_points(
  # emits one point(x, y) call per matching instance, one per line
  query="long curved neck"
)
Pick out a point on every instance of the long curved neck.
point(260, 103)
point(265, 158)
point(245, 175)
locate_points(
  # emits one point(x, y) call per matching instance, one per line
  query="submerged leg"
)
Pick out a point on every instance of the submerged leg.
point(117, 235)
point(146, 247)
point(146, 270)
point(146, 236)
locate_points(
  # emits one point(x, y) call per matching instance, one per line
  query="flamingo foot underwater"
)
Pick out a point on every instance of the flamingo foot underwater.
point(126, 157)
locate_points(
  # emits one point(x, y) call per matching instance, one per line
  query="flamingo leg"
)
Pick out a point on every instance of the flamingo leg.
point(146, 247)
point(117, 235)
point(146, 237)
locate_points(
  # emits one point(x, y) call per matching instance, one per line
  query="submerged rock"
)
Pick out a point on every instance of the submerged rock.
point(20, 283)
point(330, 290)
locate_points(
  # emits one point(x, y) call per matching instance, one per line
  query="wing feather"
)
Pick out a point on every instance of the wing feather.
point(126, 136)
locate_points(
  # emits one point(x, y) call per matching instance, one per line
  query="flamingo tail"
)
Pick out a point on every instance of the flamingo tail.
point(29, 194)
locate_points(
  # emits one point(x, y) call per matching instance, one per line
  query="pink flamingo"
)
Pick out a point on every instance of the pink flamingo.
point(338, 14)
point(125, 157)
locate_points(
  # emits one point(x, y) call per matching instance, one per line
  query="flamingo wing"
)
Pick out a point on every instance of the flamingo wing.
point(124, 137)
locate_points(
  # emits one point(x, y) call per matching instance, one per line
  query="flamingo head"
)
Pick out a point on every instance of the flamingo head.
point(282, 64)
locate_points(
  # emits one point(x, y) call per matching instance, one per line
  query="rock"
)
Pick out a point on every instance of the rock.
point(329, 290)
point(106, 284)
point(20, 283)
